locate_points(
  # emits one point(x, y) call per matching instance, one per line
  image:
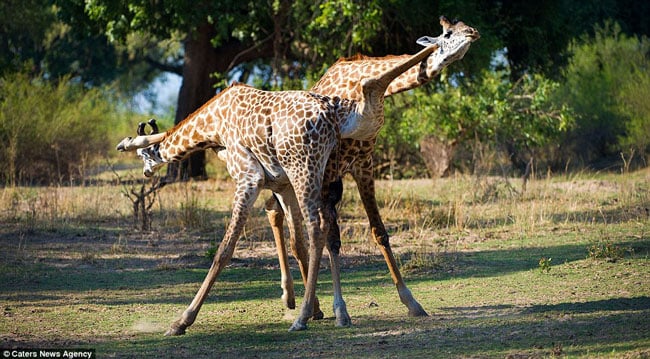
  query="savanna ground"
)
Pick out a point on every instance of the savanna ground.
point(561, 269)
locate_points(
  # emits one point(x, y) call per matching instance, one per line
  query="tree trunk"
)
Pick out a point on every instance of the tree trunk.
point(199, 63)
point(201, 60)
point(437, 155)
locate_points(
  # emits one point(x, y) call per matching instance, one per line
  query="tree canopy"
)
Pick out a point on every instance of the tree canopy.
point(122, 45)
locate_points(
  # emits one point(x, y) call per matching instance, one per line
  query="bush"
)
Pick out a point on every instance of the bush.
point(50, 132)
point(607, 84)
point(491, 113)
point(634, 104)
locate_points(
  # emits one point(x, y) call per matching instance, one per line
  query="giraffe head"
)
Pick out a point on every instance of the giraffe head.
point(150, 155)
point(151, 158)
point(146, 146)
point(454, 42)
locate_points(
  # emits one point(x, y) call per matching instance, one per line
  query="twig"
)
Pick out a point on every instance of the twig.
point(527, 172)
point(140, 199)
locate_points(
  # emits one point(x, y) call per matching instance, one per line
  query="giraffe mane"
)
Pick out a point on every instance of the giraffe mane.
point(207, 103)
point(362, 57)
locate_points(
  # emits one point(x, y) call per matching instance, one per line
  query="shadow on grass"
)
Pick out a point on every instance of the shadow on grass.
point(641, 303)
point(592, 329)
point(613, 304)
point(42, 283)
point(597, 326)
point(259, 278)
point(492, 263)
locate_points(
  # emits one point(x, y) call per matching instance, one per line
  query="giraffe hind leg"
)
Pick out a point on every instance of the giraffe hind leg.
point(316, 234)
point(366, 185)
point(275, 215)
point(333, 197)
point(288, 204)
point(309, 190)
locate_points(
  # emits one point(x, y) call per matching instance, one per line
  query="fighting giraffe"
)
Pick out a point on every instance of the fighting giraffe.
point(342, 79)
point(280, 141)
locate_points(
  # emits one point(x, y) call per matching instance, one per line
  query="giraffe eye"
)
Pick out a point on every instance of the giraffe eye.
point(448, 34)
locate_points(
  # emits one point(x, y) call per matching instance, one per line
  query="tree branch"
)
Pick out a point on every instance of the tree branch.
point(235, 60)
point(176, 69)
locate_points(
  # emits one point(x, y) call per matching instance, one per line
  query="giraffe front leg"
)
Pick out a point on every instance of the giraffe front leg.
point(362, 174)
point(275, 215)
point(245, 195)
point(220, 261)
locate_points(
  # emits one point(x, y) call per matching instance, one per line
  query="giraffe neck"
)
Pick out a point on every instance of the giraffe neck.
point(368, 117)
point(385, 79)
point(342, 79)
point(415, 76)
point(198, 131)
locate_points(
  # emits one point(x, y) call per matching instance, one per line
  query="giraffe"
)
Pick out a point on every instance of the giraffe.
point(342, 80)
point(282, 141)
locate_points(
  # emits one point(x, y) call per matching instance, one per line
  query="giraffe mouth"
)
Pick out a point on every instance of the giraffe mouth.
point(457, 47)
point(473, 35)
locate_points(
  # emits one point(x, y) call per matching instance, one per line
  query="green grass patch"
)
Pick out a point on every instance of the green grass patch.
point(559, 271)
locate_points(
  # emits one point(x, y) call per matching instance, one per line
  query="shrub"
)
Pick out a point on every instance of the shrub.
point(490, 112)
point(635, 105)
point(50, 131)
point(606, 251)
point(607, 84)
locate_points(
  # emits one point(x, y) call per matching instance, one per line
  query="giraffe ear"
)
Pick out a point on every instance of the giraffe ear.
point(426, 41)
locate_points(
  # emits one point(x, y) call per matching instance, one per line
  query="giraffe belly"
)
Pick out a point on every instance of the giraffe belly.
point(274, 175)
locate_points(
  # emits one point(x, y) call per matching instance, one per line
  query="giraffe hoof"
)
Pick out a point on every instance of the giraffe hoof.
point(418, 312)
point(318, 315)
point(343, 322)
point(174, 331)
point(342, 317)
point(289, 301)
point(298, 326)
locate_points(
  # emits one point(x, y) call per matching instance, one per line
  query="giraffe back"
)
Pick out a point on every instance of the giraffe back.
point(286, 124)
point(280, 129)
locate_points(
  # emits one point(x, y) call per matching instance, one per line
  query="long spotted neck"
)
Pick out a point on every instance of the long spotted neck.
point(368, 117)
point(343, 78)
point(414, 77)
point(199, 131)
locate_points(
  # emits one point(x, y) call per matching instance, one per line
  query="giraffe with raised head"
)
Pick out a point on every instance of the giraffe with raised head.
point(282, 141)
point(342, 79)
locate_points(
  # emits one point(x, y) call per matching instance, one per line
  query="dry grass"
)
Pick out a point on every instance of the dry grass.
point(502, 273)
